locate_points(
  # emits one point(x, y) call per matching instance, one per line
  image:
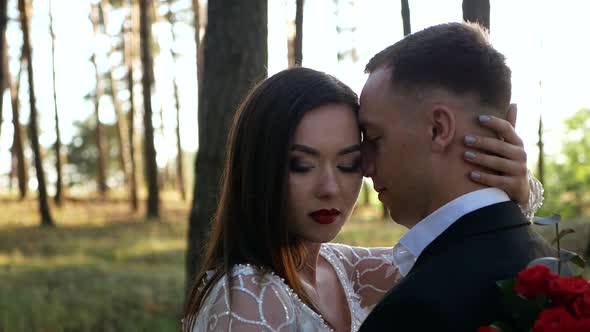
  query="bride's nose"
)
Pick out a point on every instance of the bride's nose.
point(328, 184)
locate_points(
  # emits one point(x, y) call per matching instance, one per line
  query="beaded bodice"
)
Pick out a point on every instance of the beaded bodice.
point(259, 300)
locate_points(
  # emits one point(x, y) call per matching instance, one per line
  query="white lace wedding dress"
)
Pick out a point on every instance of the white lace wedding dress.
point(261, 301)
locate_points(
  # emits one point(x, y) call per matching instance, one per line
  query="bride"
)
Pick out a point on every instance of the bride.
point(291, 179)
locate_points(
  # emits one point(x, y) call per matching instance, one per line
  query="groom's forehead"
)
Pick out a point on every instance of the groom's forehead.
point(378, 83)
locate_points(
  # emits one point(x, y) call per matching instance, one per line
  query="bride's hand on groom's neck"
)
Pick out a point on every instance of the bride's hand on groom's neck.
point(504, 157)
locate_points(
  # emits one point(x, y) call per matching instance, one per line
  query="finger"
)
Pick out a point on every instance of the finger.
point(492, 180)
point(507, 183)
point(512, 114)
point(502, 127)
point(505, 166)
point(496, 147)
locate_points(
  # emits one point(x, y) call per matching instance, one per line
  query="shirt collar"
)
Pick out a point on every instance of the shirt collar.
point(431, 227)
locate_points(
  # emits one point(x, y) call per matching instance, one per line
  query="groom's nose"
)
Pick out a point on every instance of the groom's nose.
point(368, 161)
point(368, 168)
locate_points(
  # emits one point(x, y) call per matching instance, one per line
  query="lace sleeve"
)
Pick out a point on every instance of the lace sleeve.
point(256, 302)
point(370, 270)
point(535, 197)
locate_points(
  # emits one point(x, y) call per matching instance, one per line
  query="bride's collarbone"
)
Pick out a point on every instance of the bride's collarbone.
point(329, 297)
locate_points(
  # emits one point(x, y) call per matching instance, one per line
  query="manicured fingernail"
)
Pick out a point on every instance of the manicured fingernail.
point(484, 118)
point(475, 175)
point(470, 155)
point(470, 140)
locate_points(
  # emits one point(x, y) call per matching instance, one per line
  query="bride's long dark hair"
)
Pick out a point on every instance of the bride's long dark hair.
point(250, 224)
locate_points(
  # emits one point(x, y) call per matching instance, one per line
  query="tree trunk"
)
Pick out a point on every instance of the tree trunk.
point(129, 47)
point(199, 50)
point(477, 11)
point(19, 161)
point(179, 160)
point(541, 162)
point(100, 146)
point(163, 174)
point(179, 163)
point(99, 134)
point(151, 168)
point(235, 58)
point(46, 219)
point(122, 131)
point(3, 51)
point(346, 30)
point(298, 40)
point(57, 146)
point(406, 17)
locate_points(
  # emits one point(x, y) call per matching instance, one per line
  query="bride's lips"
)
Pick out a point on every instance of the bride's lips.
point(324, 216)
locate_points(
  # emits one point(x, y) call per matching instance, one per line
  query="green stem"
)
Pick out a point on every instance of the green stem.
point(558, 250)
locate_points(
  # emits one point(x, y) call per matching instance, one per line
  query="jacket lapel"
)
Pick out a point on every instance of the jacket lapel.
point(493, 218)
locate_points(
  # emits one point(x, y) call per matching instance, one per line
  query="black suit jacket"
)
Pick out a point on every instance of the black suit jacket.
point(452, 285)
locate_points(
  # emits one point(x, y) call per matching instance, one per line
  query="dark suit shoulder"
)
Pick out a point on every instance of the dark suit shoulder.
point(455, 289)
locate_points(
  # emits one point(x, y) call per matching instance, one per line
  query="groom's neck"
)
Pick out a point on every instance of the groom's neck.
point(449, 186)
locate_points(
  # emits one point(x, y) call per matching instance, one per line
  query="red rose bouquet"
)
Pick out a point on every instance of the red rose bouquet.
point(542, 298)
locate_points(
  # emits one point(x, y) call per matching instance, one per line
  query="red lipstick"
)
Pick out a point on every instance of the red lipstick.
point(324, 216)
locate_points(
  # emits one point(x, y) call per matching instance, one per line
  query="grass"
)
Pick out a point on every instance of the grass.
point(101, 269)
point(104, 268)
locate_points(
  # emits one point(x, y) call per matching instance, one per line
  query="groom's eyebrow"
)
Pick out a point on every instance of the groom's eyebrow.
point(364, 125)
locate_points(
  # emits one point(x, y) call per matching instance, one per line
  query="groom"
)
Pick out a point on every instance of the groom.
point(423, 95)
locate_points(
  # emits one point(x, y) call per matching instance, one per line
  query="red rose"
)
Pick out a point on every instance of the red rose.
point(534, 281)
point(555, 320)
point(564, 290)
point(486, 329)
point(583, 325)
point(582, 305)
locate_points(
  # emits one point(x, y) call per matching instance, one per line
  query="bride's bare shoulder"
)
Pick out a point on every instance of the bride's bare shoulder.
point(250, 299)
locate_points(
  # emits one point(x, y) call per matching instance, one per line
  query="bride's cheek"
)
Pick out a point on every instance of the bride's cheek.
point(353, 188)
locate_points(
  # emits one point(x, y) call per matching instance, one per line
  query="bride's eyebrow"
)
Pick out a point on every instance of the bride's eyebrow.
point(305, 149)
point(311, 151)
point(350, 149)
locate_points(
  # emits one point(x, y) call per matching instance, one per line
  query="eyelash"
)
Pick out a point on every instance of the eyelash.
point(373, 141)
point(352, 168)
point(296, 167)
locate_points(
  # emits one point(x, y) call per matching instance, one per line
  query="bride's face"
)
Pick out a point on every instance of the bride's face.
point(324, 172)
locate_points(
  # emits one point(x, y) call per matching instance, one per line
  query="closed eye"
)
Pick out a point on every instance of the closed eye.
point(352, 167)
point(373, 140)
point(297, 166)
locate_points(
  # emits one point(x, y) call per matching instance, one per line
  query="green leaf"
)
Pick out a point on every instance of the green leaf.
point(570, 256)
point(562, 234)
point(545, 221)
point(553, 264)
point(502, 327)
point(550, 262)
point(522, 311)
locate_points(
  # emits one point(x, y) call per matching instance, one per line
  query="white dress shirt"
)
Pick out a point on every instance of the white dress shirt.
point(411, 245)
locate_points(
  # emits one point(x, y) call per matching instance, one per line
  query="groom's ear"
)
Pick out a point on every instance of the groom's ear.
point(442, 128)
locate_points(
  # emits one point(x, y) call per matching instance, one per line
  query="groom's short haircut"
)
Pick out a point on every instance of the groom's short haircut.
point(454, 56)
